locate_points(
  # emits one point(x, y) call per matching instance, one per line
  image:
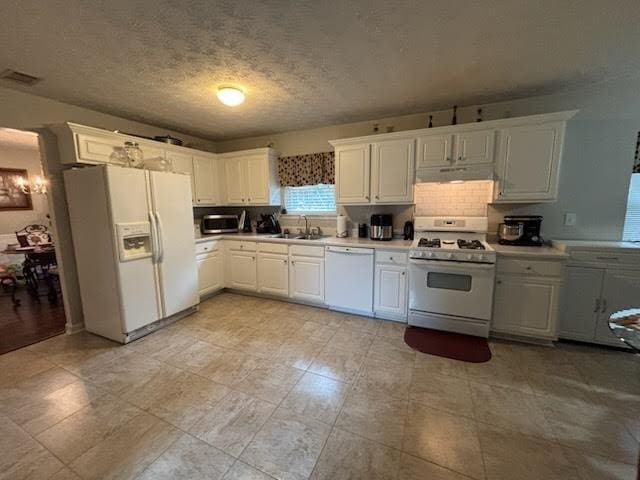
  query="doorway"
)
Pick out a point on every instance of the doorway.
point(31, 304)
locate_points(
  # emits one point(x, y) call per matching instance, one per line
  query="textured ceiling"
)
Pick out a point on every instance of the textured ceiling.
point(310, 63)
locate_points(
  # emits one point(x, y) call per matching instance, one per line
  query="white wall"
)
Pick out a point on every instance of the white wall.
point(597, 160)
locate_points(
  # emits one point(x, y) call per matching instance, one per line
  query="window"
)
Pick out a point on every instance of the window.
point(631, 230)
point(319, 199)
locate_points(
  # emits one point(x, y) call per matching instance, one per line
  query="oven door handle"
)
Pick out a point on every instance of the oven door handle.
point(443, 265)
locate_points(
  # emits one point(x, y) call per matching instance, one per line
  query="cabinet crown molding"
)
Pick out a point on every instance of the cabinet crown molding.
point(465, 127)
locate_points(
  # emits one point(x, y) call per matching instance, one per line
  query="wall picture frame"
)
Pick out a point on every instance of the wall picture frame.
point(12, 198)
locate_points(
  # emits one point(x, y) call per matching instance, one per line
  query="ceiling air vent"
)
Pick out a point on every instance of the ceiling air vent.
point(19, 77)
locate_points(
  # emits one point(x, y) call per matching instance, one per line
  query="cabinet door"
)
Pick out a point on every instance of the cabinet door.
point(474, 148)
point(306, 277)
point(96, 149)
point(528, 163)
point(435, 151)
point(242, 271)
point(234, 175)
point(525, 306)
point(210, 274)
point(580, 303)
point(183, 163)
point(353, 164)
point(620, 291)
point(273, 274)
point(206, 180)
point(393, 171)
point(390, 293)
point(256, 174)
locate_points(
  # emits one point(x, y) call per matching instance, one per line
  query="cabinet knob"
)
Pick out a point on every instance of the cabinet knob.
point(403, 273)
point(284, 261)
point(293, 262)
point(460, 159)
point(367, 197)
point(377, 197)
point(248, 199)
point(391, 258)
point(499, 282)
point(528, 268)
point(242, 199)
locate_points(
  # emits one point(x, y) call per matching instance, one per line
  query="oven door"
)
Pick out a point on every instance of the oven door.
point(451, 288)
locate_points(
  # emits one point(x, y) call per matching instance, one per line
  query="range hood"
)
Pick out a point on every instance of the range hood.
point(455, 173)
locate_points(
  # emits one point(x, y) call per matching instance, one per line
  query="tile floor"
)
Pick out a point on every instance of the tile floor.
point(258, 389)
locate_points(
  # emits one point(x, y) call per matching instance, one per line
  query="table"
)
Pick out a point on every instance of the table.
point(625, 325)
point(39, 261)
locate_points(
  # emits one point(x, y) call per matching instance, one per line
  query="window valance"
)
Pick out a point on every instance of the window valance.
point(308, 169)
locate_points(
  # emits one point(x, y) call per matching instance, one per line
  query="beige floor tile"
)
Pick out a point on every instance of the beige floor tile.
point(508, 408)
point(316, 332)
point(380, 377)
point(350, 457)
point(593, 430)
point(316, 397)
point(28, 460)
point(441, 392)
point(196, 356)
point(413, 468)
point(37, 414)
point(377, 417)
point(270, 383)
point(440, 365)
point(624, 403)
point(392, 350)
point(127, 452)
point(327, 318)
point(123, 373)
point(242, 471)
point(297, 352)
point(391, 329)
point(230, 335)
point(86, 428)
point(231, 423)
point(338, 364)
point(21, 364)
point(177, 397)
point(189, 458)
point(592, 467)
point(260, 344)
point(162, 345)
point(361, 324)
point(509, 455)
point(286, 447)
point(65, 474)
point(447, 440)
point(499, 372)
point(563, 389)
point(351, 340)
point(230, 368)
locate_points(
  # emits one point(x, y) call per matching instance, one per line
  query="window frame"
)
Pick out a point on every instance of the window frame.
point(318, 214)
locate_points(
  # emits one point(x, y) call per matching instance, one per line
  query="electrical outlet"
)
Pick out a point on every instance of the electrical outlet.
point(570, 219)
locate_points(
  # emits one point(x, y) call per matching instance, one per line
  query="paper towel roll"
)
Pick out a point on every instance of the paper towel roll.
point(341, 226)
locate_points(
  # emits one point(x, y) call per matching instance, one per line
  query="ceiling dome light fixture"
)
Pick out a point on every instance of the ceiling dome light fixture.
point(230, 96)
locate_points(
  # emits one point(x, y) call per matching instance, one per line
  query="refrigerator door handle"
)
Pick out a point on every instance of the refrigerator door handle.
point(154, 238)
point(160, 238)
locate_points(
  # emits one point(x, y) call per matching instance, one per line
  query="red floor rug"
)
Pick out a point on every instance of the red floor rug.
point(456, 346)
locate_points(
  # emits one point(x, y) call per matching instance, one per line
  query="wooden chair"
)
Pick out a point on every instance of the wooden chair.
point(8, 281)
point(33, 235)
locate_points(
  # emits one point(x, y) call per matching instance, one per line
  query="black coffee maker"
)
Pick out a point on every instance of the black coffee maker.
point(521, 230)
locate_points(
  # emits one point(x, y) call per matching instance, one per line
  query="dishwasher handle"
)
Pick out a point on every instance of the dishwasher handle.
point(350, 250)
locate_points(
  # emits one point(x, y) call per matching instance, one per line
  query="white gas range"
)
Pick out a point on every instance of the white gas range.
point(451, 275)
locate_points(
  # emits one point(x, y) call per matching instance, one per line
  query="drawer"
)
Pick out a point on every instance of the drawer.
point(279, 248)
point(241, 246)
point(605, 258)
point(207, 247)
point(306, 251)
point(392, 258)
point(530, 267)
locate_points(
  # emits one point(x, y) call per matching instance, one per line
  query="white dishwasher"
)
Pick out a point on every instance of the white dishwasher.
point(349, 279)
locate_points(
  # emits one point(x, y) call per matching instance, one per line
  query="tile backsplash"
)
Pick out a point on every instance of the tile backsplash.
point(455, 199)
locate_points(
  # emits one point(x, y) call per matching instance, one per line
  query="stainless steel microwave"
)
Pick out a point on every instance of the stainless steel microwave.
point(219, 224)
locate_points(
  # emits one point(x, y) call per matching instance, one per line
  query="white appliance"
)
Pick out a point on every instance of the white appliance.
point(451, 275)
point(134, 245)
point(349, 279)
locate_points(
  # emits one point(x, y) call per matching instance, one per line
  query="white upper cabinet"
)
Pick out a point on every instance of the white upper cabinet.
point(393, 171)
point(183, 163)
point(475, 147)
point(435, 150)
point(207, 188)
point(529, 162)
point(251, 177)
point(353, 166)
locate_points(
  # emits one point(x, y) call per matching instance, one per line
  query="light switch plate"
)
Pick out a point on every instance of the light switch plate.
point(570, 219)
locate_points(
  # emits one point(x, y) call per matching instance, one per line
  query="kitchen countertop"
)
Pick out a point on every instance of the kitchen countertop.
point(565, 245)
point(548, 252)
point(395, 244)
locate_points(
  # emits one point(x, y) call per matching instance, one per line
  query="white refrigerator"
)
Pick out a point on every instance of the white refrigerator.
point(134, 245)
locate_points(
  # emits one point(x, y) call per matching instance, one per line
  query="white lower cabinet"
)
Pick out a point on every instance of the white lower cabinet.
point(526, 298)
point(273, 274)
point(390, 286)
point(209, 259)
point(242, 270)
point(306, 279)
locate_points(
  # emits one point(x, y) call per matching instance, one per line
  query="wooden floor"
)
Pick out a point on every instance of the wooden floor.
point(31, 322)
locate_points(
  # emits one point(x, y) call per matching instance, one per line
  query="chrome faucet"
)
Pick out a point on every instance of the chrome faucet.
point(306, 224)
